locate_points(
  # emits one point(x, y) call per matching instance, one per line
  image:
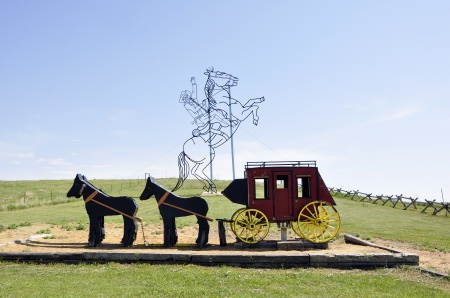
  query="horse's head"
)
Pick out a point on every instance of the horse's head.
point(221, 78)
point(77, 187)
point(149, 189)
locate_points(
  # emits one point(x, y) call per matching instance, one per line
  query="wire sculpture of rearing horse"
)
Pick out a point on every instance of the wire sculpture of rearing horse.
point(172, 206)
point(99, 204)
point(215, 124)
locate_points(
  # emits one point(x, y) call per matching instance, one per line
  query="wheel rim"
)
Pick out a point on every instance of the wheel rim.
point(251, 226)
point(295, 228)
point(318, 222)
point(233, 218)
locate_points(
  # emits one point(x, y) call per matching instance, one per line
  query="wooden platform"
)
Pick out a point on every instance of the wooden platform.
point(275, 254)
point(254, 261)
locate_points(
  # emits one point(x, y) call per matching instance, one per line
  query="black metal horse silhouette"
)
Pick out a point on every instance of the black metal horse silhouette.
point(172, 206)
point(99, 204)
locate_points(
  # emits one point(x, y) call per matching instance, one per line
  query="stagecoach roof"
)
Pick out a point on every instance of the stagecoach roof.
point(272, 164)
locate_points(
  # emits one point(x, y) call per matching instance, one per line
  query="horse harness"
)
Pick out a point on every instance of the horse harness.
point(164, 197)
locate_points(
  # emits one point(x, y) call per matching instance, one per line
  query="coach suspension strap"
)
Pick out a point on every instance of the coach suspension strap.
point(91, 198)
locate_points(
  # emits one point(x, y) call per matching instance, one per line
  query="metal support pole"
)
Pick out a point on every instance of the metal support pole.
point(231, 131)
point(210, 152)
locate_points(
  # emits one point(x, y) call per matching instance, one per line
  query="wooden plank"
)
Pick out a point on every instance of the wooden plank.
point(355, 240)
point(137, 257)
point(363, 260)
point(254, 261)
point(300, 245)
point(242, 259)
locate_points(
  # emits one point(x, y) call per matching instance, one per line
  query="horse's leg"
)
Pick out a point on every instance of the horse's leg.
point(168, 230)
point(251, 108)
point(94, 229)
point(203, 178)
point(203, 232)
point(129, 231)
point(173, 233)
point(253, 101)
point(102, 229)
point(211, 185)
point(125, 228)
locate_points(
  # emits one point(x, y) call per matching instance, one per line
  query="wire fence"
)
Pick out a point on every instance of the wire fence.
point(395, 201)
point(33, 199)
point(15, 195)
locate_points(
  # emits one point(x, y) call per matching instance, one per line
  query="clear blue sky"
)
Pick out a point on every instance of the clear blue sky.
point(362, 87)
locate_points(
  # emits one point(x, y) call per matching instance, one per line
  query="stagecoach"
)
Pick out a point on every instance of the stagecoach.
point(291, 194)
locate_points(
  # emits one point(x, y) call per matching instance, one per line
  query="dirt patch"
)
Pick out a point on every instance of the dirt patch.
point(71, 238)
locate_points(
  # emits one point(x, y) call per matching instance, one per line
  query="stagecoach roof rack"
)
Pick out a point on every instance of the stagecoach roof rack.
point(271, 164)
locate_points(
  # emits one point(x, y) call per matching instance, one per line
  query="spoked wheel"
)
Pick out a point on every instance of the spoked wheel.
point(295, 228)
point(251, 226)
point(233, 218)
point(318, 222)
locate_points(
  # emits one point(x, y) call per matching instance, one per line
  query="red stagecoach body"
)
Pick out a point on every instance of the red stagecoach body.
point(281, 192)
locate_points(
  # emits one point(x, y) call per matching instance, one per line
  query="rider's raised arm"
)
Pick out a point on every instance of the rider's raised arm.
point(194, 89)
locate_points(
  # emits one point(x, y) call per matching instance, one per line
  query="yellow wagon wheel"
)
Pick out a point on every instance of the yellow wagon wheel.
point(233, 218)
point(251, 226)
point(318, 222)
point(295, 228)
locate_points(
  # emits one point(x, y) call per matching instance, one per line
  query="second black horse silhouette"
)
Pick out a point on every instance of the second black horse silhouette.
point(172, 206)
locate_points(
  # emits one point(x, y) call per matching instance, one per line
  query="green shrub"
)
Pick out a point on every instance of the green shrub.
point(67, 227)
point(44, 231)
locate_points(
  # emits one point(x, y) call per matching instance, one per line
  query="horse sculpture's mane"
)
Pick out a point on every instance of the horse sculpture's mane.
point(85, 180)
point(153, 180)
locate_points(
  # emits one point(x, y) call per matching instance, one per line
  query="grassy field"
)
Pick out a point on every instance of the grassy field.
point(362, 219)
point(143, 280)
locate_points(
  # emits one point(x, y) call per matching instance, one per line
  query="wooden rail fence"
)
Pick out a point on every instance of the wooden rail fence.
point(395, 200)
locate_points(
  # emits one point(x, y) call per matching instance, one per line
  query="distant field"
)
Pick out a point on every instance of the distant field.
point(25, 194)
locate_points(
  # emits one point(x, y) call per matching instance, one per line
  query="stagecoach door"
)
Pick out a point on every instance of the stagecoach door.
point(282, 193)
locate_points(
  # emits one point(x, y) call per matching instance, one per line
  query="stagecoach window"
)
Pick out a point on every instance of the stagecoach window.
point(261, 188)
point(303, 187)
point(282, 181)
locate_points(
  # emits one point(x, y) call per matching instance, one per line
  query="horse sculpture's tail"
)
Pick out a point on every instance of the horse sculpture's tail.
point(183, 168)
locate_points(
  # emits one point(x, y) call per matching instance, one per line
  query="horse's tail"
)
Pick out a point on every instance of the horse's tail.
point(183, 169)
